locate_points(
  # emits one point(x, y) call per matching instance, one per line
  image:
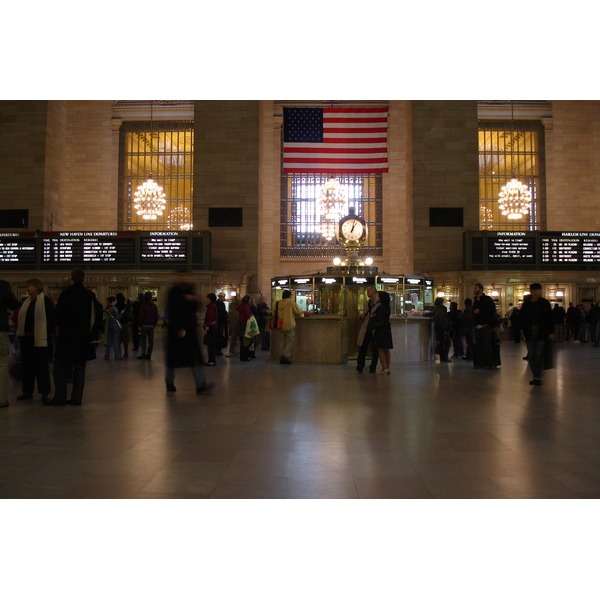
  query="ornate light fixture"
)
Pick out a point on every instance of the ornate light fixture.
point(332, 200)
point(515, 197)
point(180, 218)
point(149, 199)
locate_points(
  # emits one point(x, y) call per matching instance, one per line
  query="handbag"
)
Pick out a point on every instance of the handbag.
point(251, 327)
point(276, 323)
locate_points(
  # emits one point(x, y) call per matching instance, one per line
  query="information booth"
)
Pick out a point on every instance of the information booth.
point(333, 304)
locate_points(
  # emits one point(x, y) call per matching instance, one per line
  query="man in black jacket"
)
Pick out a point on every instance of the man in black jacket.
point(7, 302)
point(484, 315)
point(78, 315)
point(538, 327)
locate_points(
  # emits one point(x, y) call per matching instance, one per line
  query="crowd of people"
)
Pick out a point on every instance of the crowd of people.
point(64, 330)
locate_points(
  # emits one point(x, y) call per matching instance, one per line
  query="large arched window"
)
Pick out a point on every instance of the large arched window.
point(303, 232)
point(167, 149)
point(507, 149)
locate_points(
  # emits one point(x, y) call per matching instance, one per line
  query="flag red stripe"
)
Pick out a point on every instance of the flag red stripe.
point(353, 120)
point(329, 169)
point(341, 161)
point(370, 109)
point(326, 150)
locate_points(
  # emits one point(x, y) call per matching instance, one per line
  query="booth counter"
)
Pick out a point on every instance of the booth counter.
point(323, 339)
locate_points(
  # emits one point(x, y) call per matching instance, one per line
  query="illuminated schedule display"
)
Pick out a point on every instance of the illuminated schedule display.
point(18, 250)
point(511, 249)
point(570, 248)
point(88, 248)
point(164, 247)
point(533, 250)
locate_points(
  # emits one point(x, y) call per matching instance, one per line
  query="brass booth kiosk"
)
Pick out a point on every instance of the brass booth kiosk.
point(333, 303)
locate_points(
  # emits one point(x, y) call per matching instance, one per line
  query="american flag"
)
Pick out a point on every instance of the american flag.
point(335, 140)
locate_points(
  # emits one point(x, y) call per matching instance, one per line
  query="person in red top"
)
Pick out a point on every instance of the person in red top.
point(211, 326)
point(147, 320)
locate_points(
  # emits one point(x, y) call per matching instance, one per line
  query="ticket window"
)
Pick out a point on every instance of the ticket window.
point(328, 300)
point(413, 299)
point(303, 300)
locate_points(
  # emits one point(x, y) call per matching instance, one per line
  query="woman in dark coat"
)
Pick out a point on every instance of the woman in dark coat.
point(379, 323)
point(211, 327)
point(183, 349)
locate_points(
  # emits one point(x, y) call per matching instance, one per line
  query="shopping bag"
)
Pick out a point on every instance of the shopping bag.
point(251, 327)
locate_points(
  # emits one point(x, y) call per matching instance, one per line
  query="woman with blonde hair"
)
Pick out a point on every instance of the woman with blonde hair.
point(34, 330)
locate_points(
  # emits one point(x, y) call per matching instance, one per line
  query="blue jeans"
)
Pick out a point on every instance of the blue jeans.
point(112, 339)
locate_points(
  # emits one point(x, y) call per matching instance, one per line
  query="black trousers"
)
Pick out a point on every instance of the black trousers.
point(362, 353)
point(63, 370)
point(36, 365)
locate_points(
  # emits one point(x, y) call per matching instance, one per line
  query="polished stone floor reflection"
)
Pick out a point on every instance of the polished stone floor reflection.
point(312, 431)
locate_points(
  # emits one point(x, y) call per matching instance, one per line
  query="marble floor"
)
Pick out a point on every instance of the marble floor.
point(313, 431)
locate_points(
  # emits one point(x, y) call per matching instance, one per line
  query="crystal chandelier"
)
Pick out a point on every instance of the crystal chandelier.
point(327, 229)
point(332, 199)
point(514, 199)
point(180, 218)
point(149, 199)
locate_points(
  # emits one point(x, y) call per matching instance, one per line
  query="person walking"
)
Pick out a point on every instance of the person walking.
point(8, 302)
point(538, 328)
point(183, 348)
point(288, 310)
point(78, 317)
point(147, 321)
point(379, 323)
point(365, 334)
point(34, 330)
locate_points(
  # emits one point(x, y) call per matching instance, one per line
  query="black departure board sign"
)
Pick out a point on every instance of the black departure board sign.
point(567, 248)
point(511, 249)
point(18, 250)
point(532, 250)
point(103, 248)
point(164, 247)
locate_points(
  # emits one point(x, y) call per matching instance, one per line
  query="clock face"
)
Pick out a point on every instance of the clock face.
point(352, 230)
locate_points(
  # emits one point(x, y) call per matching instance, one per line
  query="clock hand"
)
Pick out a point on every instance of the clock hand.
point(353, 226)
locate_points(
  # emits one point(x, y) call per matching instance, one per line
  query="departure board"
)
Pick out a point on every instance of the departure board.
point(532, 250)
point(164, 247)
point(18, 250)
point(101, 248)
point(511, 249)
point(570, 248)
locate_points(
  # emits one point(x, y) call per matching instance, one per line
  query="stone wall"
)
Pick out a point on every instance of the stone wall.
point(572, 166)
point(226, 175)
point(22, 157)
point(445, 175)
